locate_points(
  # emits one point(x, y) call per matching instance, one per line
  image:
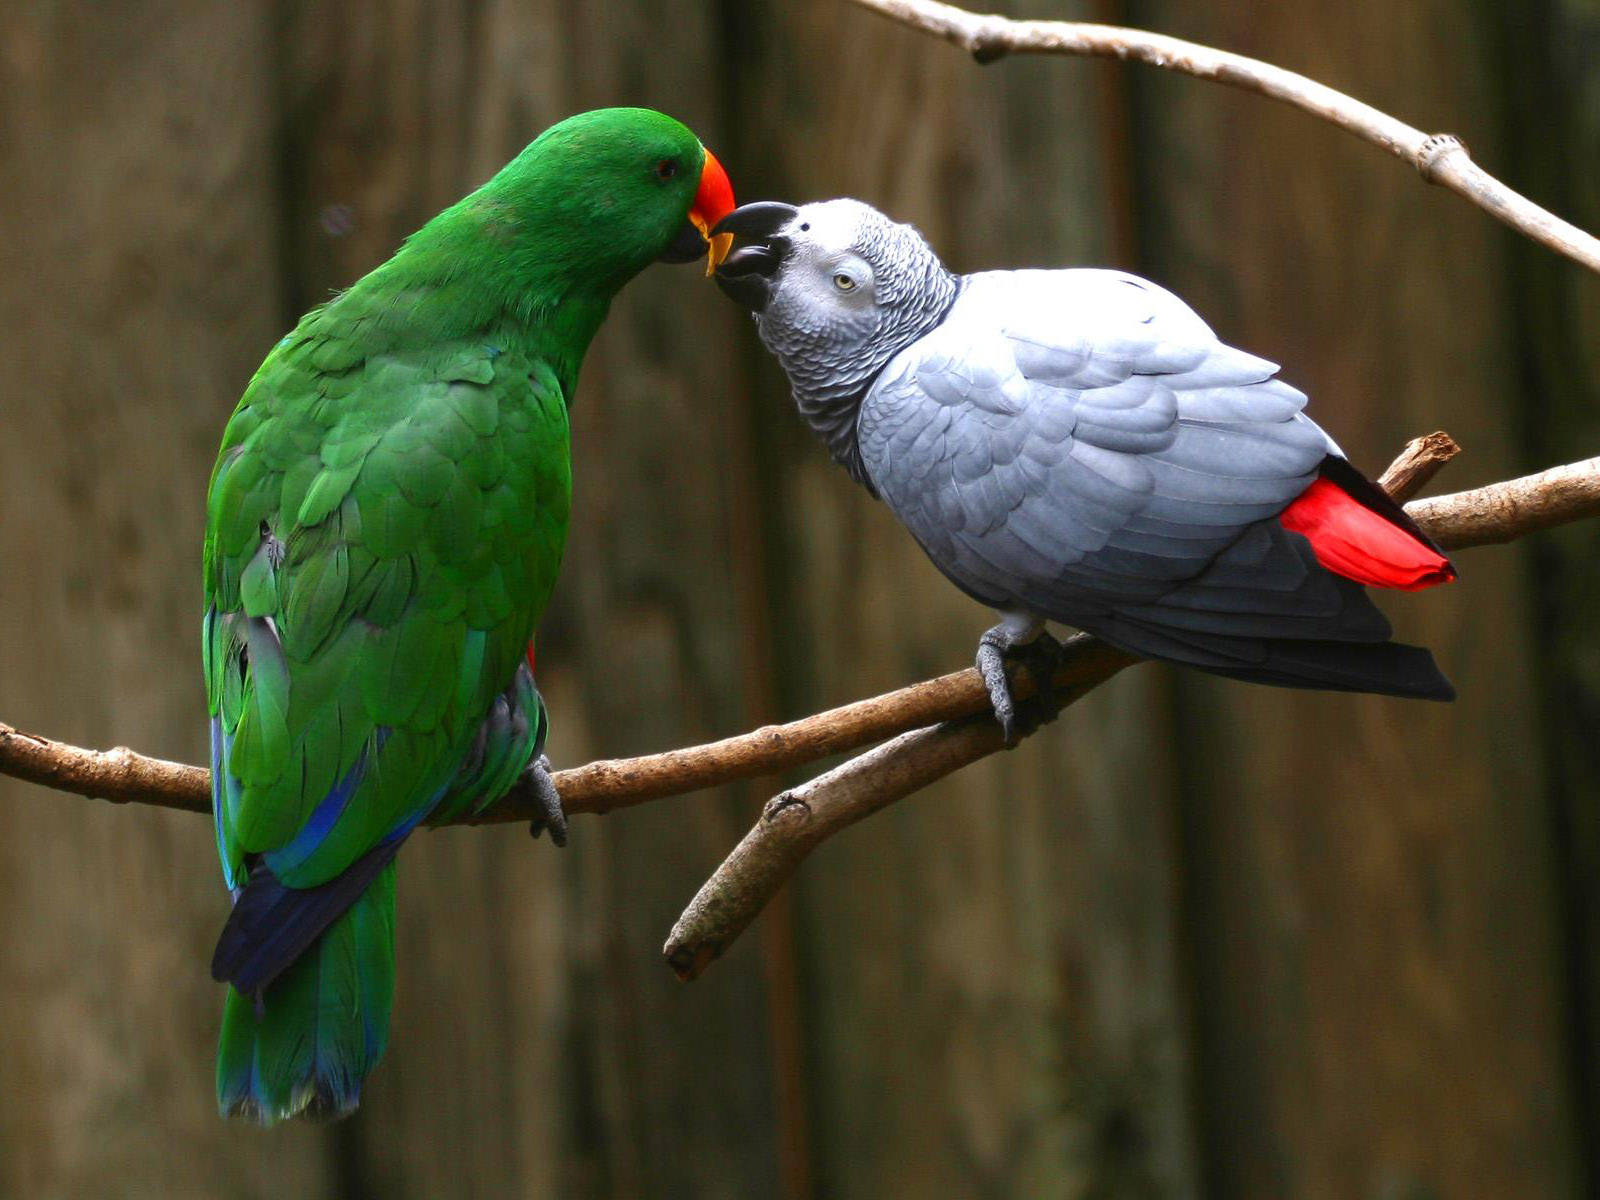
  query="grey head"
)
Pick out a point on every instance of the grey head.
point(837, 289)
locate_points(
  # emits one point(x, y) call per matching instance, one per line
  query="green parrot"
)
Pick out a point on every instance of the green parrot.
point(384, 525)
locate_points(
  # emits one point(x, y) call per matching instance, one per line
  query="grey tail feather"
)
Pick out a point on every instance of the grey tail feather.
point(1388, 669)
point(1382, 668)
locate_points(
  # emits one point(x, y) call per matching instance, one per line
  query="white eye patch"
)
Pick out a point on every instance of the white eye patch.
point(849, 275)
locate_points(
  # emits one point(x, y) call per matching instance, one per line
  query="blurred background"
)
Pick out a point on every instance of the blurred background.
point(1197, 939)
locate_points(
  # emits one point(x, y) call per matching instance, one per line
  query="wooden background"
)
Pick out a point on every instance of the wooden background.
point(1197, 939)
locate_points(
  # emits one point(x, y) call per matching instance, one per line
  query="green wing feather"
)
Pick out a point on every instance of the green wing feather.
point(377, 569)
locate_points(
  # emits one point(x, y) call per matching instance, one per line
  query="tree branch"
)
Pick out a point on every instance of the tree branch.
point(125, 777)
point(796, 821)
point(1440, 158)
point(936, 727)
point(1498, 513)
point(1503, 512)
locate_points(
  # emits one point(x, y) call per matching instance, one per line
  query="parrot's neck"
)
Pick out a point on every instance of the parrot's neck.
point(461, 278)
point(829, 383)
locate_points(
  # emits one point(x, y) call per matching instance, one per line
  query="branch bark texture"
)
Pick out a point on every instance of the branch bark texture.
point(1440, 158)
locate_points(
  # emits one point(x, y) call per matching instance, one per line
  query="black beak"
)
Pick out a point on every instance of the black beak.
point(746, 275)
point(759, 220)
point(687, 246)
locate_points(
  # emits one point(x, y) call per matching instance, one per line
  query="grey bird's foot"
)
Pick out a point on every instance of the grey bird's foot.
point(551, 815)
point(1033, 647)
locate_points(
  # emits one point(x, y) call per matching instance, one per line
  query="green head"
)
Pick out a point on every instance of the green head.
point(588, 205)
point(539, 251)
point(612, 191)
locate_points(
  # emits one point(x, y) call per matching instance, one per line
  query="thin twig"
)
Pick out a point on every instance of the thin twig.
point(796, 821)
point(1440, 158)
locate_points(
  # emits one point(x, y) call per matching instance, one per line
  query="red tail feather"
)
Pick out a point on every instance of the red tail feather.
point(1351, 540)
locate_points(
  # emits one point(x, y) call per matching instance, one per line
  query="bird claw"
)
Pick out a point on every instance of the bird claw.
point(1040, 653)
point(992, 648)
point(551, 815)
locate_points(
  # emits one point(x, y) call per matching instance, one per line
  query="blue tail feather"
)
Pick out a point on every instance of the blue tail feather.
point(272, 925)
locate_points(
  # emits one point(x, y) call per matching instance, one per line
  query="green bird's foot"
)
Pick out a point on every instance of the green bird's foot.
point(543, 789)
point(1039, 652)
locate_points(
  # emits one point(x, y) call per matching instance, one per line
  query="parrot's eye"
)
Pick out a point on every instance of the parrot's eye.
point(844, 283)
point(666, 168)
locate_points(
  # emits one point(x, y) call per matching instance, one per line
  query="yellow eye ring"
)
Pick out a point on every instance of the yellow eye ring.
point(844, 283)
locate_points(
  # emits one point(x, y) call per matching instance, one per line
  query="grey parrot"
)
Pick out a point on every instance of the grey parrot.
point(1077, 446)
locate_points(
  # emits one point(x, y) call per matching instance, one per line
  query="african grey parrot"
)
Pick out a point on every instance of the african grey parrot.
point(1077, 446)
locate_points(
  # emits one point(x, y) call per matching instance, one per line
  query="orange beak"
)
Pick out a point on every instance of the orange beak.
point(713, 201)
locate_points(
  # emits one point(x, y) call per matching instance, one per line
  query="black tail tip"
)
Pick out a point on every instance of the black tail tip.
point(1421, 676)
point(1446, 691)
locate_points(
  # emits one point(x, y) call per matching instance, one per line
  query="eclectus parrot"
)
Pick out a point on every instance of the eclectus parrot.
point(1077, 446)
point(384, 525)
